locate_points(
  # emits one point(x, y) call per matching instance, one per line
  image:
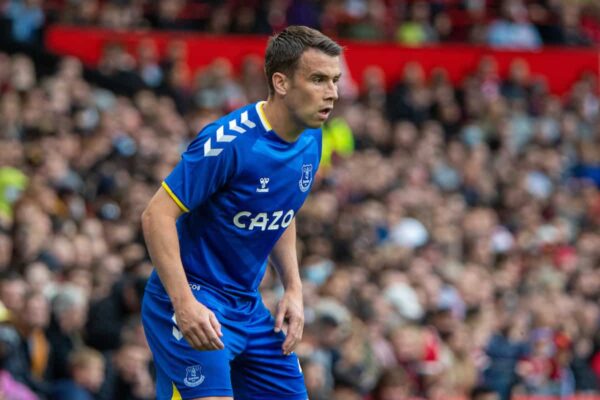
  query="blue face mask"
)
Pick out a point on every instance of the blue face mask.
point(110, 211)
point(125, 146)
point(319, 272)
point(472, 135)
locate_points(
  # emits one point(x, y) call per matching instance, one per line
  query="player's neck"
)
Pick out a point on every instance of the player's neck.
point(281, 121)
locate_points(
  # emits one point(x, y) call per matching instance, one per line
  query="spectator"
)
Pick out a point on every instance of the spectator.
point(315, 377)
point(504, 352)
point(107, 316)
point(418, 30)
point(216, 89)
point(131, 379)
point(410, 98)
point(518, 85)
point(6, 246)
point(12, 184)
point(27, 18)
point(570, 33)
point(119, 15)
point(148, 67)
point(10, 388)
point(65, 333)
point(85, 12)
point(484, 393)
point(167, 15)
point(87, 374)
point(392, 385)
point(514, 30)
point(367, 23)
point(34, 347)
point(12, 293)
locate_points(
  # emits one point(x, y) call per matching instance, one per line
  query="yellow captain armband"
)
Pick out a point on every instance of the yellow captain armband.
point(175, 198)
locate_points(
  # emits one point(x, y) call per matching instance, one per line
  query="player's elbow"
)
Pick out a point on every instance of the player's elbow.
point(157, 217)
point(145, 220)
point(148, 218)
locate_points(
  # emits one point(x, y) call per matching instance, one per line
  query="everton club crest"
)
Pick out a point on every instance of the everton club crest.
point(306, 178)
point(193, 376)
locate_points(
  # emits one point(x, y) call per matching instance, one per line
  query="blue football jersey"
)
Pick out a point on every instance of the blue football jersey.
point(240, 186)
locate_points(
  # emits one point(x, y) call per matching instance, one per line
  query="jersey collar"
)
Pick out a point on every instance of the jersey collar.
point(261, 114)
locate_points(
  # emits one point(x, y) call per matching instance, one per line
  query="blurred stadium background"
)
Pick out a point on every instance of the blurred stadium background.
point(450, 248)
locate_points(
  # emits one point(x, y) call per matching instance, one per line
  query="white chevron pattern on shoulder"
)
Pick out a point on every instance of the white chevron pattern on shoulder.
point(209, 151)
point(234, 127)
point(222, 137)
point(246, 121)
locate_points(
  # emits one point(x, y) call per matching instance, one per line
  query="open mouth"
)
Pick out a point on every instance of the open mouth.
point(324, 112)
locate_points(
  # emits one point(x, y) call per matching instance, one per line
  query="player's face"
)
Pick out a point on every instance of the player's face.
point(313, 88)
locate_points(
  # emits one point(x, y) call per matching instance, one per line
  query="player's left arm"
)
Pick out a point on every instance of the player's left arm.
point(290, 307)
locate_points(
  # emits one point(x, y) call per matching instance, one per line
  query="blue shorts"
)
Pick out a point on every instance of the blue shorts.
point(251, 367)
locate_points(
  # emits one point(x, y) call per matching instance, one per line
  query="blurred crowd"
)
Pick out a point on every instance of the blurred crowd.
point(501, 23)
point(450, 248)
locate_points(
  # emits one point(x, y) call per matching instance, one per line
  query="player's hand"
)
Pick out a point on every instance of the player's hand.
point(291, 309)
point(199, 326)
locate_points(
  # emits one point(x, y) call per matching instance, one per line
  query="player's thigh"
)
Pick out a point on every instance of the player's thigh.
point(262, 371)
point(268, 377)
point(183, 372)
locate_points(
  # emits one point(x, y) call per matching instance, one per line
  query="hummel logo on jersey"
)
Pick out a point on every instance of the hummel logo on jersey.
point(263, 185)
point(222, 137)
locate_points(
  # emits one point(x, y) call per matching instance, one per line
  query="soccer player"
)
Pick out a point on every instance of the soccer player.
point(225, 209)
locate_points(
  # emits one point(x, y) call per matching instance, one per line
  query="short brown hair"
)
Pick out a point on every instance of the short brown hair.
point(285, 49)
point(392, 378)
point(84, 357)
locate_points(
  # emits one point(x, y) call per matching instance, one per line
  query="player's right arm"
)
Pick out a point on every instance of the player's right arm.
point(205, 167)
point(200, 172)
point(196, 322)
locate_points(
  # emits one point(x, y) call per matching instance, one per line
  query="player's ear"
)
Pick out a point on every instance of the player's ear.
point(280, 83)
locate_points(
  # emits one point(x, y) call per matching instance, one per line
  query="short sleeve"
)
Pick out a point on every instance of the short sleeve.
point(204, 168)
